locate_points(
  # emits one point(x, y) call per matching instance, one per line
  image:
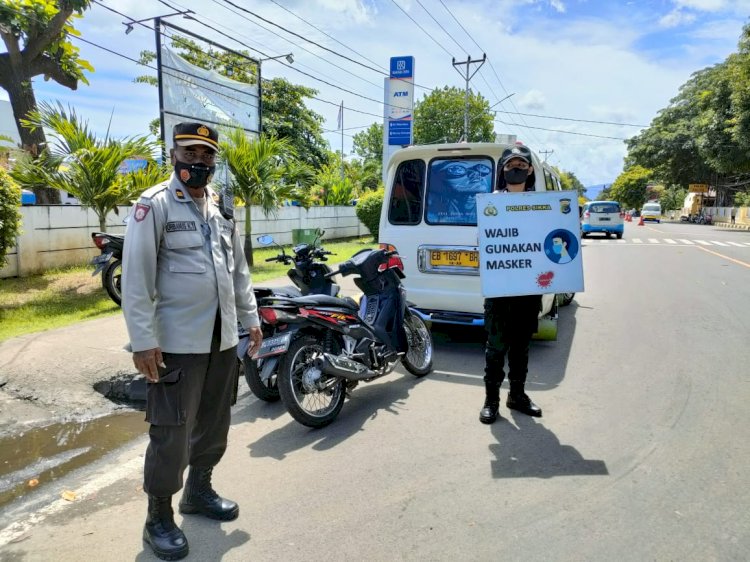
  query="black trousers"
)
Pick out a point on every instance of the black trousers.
point(509, 322)
point(189, 413)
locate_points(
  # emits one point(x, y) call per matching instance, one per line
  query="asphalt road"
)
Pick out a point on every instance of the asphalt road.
point(642, 453)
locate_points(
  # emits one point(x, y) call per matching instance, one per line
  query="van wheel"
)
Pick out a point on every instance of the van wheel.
point(584, 235)
point(619, 235)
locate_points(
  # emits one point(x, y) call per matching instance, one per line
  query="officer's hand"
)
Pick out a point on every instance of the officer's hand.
point(147, 363)
point(256, 337)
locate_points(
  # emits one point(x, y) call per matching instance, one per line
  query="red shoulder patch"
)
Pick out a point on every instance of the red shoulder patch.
point(141, 211)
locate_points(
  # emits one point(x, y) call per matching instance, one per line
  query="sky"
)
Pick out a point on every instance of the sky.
point(562, 62)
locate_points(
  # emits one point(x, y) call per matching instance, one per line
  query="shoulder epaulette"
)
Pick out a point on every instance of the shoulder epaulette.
point(151, 191)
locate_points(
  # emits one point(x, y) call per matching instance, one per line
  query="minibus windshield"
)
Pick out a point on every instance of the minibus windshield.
point(452, 185)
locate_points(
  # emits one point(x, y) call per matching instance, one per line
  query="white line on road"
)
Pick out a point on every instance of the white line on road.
point(719, 243)
point(688, 242)
point(653, 240)
point(637, 241)
point(670, 241)
point(703, 243)
point(737, 244)
point(107, 478)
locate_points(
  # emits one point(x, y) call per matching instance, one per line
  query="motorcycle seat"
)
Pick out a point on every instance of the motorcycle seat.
point(324, 300)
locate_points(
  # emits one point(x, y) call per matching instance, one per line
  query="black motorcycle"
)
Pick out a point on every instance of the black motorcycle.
point(109, 262)
point(328, 345)
point(310, 276)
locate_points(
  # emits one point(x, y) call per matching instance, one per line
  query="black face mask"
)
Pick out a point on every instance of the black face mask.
point(194, 175)
point(515, 175)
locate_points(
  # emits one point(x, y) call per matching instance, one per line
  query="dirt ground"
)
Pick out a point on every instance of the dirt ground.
point(49, 376)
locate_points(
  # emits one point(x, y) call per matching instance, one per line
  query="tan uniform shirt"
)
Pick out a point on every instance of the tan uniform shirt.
point(179, 268)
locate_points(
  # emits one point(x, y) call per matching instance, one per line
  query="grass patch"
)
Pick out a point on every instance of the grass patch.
point(62, 297)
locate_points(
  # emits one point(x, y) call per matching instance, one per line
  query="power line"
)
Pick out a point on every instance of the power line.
point(422, 28)
point(566, 132)
point(441, 27)
point(576, 120)
point(301, 36)
point(327, 35)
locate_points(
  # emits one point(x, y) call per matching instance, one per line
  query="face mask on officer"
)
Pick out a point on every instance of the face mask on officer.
point(516, 175)
point(194, 168)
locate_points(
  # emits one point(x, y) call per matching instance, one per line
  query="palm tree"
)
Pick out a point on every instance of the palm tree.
point(265, 172)
point(85, 166)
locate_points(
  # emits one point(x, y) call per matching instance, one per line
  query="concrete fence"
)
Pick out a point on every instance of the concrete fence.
point(719, 215)
point(60, 235)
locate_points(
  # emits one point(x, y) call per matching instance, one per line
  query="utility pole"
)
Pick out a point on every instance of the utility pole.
point(468, 75)
point(546, 152)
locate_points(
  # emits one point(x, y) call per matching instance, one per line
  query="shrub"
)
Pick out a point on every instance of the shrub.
point(10, 216)
point(368, 210)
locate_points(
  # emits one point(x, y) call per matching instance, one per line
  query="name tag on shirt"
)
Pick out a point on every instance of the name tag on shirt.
point(180, 226)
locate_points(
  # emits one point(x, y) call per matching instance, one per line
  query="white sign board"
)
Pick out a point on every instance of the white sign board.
point(529, 243)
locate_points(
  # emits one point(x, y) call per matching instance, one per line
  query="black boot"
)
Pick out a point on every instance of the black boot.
point(488, 414)
point(160, 532)
point(518, 400)
point(200, 497)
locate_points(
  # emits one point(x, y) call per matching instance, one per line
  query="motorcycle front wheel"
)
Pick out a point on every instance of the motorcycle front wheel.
point(111, 277)
point(312, 398)
point(268, 390)
point(418, 357)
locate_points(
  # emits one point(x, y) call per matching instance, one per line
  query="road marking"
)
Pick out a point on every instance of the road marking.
point(100, 481)
point(454, 374)
point(670, 241)
point(621, 241)
point(747, 243)
point(653, 240)
point(637, 241)
point(738, 262)
point(719, 243)
point(736, 244)
point(688, 242)
point(703, 242)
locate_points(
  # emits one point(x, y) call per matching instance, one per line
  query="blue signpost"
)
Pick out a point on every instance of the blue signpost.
point(400, 102)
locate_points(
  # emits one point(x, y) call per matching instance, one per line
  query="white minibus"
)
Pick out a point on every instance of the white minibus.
point(429, 217)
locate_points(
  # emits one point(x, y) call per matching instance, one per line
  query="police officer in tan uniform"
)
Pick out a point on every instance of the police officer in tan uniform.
point(186, 283)
point(510, 321)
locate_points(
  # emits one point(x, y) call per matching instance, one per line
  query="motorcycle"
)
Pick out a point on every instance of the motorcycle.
point(109, 262)
point(328, 345)
point(309, 276)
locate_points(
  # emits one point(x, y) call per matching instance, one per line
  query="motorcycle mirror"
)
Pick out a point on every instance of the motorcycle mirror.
point(265, 239)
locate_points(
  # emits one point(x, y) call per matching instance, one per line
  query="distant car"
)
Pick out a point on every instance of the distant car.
point(602, 216)
point(651, 212)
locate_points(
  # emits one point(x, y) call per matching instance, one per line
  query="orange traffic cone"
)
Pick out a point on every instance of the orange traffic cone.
point(640, 222)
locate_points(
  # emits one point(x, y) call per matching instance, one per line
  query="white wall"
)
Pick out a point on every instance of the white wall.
point(60, 235)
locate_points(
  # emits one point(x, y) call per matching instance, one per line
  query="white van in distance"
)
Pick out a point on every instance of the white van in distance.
point(429, 217)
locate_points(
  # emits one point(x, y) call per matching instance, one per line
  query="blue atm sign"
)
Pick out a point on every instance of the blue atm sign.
point(402, 67)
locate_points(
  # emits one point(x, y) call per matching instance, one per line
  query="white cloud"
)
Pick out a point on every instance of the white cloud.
point(533, 100)
point(558, 5)
point(703, 5)
point(676, 18)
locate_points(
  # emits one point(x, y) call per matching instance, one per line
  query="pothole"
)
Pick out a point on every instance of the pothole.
point(125, 389)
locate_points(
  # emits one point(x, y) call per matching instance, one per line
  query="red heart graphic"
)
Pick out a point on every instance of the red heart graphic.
point(545, 279)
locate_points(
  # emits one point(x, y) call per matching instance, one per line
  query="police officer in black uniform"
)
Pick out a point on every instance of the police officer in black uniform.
point(185, 285)
point(510, 321)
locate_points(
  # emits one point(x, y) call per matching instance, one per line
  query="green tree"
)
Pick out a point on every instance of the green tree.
point(630, 187)
point(368, 144)
point(88, 167)
point(284, 114)
point(439, 117)
point(37, 38)
point(10, 217)
point(673, 198)
point(260, 175)
point(368, 211)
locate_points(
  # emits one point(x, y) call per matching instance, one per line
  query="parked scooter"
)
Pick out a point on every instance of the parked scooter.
point(309, 276)
point(328, 345)
point(109, 262)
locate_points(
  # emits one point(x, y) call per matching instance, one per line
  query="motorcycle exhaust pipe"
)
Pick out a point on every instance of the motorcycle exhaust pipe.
point(338, 366)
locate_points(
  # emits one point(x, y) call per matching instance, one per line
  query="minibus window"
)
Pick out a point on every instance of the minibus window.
point(406, 195)
point(452, 186)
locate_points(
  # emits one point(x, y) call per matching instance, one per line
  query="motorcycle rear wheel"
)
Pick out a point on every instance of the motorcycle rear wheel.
point(268, 390)
point(313, 408)
point(418, 357)
point(111, 277)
